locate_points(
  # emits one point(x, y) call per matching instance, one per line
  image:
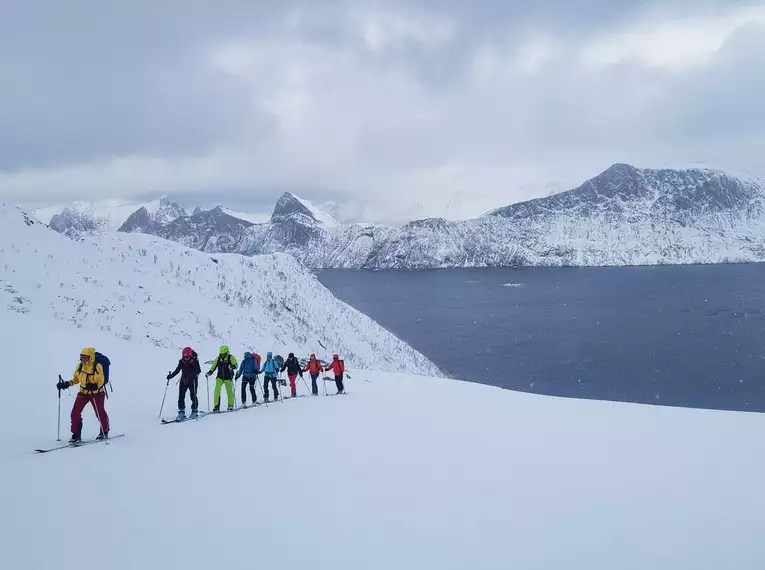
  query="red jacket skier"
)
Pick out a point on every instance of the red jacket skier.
point(314, 368)
point(338, 367)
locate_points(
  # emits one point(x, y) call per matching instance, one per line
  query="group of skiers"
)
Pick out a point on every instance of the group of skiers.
point(227, 369)
point(91, 374)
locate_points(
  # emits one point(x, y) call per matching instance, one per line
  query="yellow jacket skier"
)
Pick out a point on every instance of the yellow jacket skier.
point(226, 366)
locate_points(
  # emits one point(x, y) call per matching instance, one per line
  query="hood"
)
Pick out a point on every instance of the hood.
point(269, 355)
point(247, 355)
point(89, 352)
point(224, 349)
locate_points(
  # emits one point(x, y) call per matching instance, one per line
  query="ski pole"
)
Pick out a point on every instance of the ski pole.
point(236, 406)
point(305, 383)
point(98, 417)
point(58, 433)
point(162, 407)
point(262, 391)
point(207, 379)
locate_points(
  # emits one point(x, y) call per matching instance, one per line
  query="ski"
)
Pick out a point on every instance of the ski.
point(85, 442)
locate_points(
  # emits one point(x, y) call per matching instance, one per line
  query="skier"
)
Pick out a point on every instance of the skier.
point(292, 366)
point(314, 368)
point(338, 367)
point(226, 365)
point(248, 371)
point(190, 370)
point(89, 375)
point(270, 370)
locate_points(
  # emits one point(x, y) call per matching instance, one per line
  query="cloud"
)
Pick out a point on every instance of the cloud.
point(394, 110)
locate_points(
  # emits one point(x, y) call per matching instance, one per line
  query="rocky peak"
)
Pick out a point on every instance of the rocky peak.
point(139, 221)
point(289, 206)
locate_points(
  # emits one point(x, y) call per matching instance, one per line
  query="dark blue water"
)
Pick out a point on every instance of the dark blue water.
point(691, 336)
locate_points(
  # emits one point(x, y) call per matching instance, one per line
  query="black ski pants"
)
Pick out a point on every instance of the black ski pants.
point(314, 385)
point(192, 388)
point(339, 383)
point(249, 381)
point(273, 381)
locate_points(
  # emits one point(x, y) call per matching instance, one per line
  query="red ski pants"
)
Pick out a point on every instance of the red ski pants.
point(97, 400)
point(293, 388)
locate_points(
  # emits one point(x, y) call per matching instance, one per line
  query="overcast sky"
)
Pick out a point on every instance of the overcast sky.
point(392, 110)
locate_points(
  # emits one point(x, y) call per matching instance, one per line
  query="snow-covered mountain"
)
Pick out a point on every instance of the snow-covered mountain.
point(81, 218)
point(624, 216)
point(136, 286)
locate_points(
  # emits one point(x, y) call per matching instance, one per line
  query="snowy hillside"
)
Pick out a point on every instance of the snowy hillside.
point(403, 472)
point(138, 287)
point(624, 216)
point(80, 218)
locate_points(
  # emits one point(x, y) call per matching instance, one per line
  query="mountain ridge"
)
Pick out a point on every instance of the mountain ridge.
point(623, 216)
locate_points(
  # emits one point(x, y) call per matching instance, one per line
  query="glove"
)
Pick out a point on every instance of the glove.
point(169, 376)
point(208, 374)
point(62, 385)
point(237, 376)
point(91, 386)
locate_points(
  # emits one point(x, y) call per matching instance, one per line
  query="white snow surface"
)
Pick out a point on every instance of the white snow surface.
point(324, 219)
point(143, 288)
point(403, 472)
point(253, 218)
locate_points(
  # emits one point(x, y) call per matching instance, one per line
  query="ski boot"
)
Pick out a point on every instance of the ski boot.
point(102, 435)
point(216, 409)
point(231, 408)
point(76, 438)
point(181, 416)
point(194, 414)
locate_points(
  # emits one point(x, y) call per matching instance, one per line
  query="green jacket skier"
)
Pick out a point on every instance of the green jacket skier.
point(226, 366)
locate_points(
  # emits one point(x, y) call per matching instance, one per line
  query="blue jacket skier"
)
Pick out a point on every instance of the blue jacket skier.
point(248, 371)
point(270, 371)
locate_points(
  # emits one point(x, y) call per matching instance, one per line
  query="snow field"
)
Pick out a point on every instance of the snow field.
point(403, 472)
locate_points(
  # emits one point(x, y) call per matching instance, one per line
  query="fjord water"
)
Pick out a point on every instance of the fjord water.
point(691, 336)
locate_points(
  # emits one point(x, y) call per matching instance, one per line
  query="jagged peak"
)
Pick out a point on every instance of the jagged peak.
point(289, 204)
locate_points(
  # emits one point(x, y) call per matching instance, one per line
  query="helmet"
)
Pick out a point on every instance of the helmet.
point(248, 355)
point(336, 356)
point(313, 355)
point(187, 352)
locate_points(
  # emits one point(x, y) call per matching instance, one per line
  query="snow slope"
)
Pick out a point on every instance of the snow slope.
point(324, 218)
point(404, 472)
point(136, 286)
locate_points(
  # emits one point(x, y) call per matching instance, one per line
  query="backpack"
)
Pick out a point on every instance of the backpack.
point(104, 361)
point(342, 366)
point(256, 356)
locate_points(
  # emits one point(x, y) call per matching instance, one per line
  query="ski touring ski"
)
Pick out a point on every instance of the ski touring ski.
point(80, 444)
point(187, 419)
